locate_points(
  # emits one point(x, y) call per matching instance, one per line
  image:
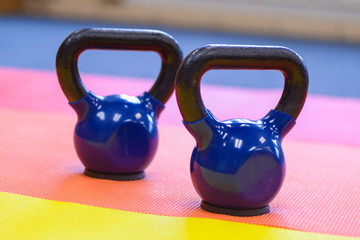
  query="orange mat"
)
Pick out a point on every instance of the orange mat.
point(43, 192)
point(320, 193)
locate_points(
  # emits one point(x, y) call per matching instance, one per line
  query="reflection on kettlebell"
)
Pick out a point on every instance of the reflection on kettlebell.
point(238, 165)
point(116, 136)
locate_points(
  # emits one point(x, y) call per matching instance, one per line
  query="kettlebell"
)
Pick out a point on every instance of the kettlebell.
point(238, 165)
point(116, 136)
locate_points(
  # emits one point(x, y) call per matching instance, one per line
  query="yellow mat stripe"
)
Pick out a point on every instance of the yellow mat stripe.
point(23, 217)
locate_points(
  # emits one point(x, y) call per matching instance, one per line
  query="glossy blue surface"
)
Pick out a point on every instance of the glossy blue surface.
point(116, 134)
point(239, 163)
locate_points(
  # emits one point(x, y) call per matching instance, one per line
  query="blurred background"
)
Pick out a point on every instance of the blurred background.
point(325, 33)
point(321, 191)
point(322, 19)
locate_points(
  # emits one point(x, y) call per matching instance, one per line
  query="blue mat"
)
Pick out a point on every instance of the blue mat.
point(29, 42)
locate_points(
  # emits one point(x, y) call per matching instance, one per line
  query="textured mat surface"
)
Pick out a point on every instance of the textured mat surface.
point(51, 220)
point(320, 194)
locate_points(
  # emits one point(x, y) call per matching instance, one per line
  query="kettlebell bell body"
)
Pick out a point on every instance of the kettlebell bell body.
point(238, 165)
point(120, 130)
point(116, 136)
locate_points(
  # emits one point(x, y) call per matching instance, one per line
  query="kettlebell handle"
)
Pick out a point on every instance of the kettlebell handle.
point(117, 39)
point(240, 57)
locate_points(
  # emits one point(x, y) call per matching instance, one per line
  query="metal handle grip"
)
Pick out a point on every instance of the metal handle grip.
point(117, 39)
point(240, 57)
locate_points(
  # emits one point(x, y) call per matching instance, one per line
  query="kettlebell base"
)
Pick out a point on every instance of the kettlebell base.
point(235, 212)
point(116, 177)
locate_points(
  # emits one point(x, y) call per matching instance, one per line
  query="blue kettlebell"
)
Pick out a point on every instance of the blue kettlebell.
point(238, 165)
point(116, 136)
